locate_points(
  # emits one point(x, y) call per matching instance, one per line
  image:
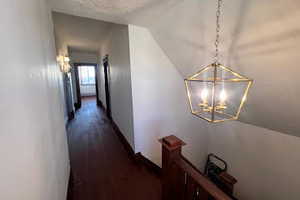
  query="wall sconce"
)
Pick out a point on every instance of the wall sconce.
point(64, 63)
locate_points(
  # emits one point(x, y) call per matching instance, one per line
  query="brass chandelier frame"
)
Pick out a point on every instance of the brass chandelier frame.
point(216, 80)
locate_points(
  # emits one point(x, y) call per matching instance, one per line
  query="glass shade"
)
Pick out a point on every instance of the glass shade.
point(64, 63)
point(216, 93)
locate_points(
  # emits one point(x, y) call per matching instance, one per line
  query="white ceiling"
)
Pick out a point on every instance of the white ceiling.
point(259, 38)
point(109, 7)
point(118, 11)
point(79, 33)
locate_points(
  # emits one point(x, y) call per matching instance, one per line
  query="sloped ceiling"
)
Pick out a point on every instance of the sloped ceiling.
point(78, 33)
point(259, 38)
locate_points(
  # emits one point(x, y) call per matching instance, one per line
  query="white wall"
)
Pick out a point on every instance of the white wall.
point(83, 56)
point(33, 147)
point(117, 47)
point(265, 162)
point(159, 101)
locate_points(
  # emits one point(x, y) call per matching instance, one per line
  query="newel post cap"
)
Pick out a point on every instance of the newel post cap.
point(171, 142)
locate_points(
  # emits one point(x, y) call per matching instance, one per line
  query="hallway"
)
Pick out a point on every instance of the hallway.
point(101, 167)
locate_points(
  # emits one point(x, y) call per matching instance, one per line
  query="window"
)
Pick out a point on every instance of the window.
point(87, 75)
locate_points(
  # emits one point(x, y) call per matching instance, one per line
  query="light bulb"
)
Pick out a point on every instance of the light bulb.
point(244, 99)
point(66, 59)
point(204, 95)
point(223, 96)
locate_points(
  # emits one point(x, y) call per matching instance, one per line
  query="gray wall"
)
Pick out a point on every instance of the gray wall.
point(33, 145)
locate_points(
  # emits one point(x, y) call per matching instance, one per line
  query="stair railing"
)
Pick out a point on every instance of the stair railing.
point(180, 179)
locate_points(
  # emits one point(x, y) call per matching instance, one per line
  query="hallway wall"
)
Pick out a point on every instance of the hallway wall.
point(117, 47)
point(159, 101)
point(33, 146)
point(80, 38)
point(265, 162)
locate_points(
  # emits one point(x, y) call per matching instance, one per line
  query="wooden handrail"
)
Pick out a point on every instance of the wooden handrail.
point(202, 181)
point(180, 179)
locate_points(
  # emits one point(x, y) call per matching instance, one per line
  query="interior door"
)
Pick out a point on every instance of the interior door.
point(107, 92)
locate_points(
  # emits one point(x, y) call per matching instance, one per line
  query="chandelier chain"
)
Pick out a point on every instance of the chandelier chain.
point(218, 14)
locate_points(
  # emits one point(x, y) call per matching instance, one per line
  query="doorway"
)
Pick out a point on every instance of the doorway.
point(107, 86)
point(86, 77)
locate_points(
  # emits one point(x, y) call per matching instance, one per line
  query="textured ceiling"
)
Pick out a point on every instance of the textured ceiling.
point(259, 38)
point(110, 7)
point(118, 11)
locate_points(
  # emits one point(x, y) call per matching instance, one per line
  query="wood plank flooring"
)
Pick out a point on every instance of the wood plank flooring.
point(101, 167)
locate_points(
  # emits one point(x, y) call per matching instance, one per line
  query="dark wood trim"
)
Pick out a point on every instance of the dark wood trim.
point(106, 86)
point(181, 179)
point(123, 140)
point(71, 115)
point(101, 105)
point(148, 164)
point(84, 64)
point(97, 84)
point(138, 157)
point(78, 104)
point(191, 164)
point(96, 66)
point(202, 181)
point(70, 186)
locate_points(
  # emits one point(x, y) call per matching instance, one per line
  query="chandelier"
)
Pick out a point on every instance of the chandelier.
point(216, 93)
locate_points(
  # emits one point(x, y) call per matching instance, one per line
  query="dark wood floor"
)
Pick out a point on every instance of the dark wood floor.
point(101, 167)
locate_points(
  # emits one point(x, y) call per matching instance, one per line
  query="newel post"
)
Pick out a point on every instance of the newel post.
point(171, 151)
